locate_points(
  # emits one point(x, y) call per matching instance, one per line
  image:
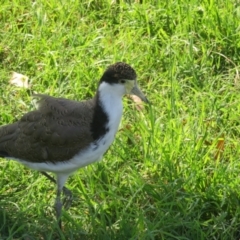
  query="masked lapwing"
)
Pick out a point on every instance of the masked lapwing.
point(62, 135)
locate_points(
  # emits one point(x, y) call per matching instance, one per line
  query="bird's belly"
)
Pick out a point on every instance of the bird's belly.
point(94, 152)
point(85, 157)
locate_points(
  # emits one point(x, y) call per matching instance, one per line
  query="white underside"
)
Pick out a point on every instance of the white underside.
point(82, 159)
point(111, 99)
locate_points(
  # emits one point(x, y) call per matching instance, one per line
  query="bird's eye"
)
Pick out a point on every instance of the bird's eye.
point(122, 81)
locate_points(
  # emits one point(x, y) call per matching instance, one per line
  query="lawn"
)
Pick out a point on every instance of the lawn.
point(173, 170)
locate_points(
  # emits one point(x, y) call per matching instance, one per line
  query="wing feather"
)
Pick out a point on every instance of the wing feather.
point(56, 131)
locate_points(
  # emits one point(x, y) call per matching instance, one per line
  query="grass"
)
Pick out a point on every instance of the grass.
point(173, 170)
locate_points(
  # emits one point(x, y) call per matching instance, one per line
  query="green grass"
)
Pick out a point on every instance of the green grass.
point(165, 176)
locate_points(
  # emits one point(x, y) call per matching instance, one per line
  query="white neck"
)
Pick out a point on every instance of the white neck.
point(110, 97)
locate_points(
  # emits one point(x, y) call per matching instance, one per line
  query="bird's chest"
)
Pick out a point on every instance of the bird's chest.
point(97, 148)
point(102, 144)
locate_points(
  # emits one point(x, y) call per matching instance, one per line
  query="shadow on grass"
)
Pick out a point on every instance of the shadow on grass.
point(192, 214)
point(16, 224)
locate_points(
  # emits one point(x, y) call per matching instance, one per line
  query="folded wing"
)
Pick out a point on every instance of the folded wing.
point(55, 131)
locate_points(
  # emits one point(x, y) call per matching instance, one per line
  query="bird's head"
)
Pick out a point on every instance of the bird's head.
point(124, 78)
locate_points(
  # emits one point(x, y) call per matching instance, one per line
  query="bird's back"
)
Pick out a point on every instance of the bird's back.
point(55, 131)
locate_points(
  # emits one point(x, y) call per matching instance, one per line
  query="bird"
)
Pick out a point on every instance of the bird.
point(61, 135)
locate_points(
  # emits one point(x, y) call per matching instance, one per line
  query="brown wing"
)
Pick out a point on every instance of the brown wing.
point(56, 131)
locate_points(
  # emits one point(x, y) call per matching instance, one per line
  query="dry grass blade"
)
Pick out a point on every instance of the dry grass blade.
point(19, 80)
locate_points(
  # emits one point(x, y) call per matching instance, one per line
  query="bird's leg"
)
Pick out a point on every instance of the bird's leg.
point(58, 207)
point(49, 177)
point(61, 180)
point(67, 201)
